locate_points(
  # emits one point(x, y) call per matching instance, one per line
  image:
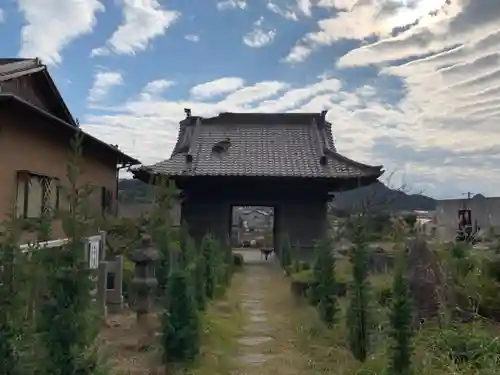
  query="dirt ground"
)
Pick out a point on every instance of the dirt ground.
point(129, 348)
point(250, 331)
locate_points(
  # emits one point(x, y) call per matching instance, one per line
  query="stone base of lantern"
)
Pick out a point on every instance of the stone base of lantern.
point(115, 307)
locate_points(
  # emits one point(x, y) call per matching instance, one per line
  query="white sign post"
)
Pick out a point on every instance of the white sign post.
point(93, 249)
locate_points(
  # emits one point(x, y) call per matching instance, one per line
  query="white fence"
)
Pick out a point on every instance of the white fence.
point(94, 248)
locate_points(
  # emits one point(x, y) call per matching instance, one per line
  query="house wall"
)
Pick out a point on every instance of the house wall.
point(25, 144)
point(485, 210)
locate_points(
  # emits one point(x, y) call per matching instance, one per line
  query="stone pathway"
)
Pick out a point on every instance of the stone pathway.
point(266, 342)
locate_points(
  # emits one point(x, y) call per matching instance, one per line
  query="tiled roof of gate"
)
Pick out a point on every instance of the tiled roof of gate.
point(274, 145)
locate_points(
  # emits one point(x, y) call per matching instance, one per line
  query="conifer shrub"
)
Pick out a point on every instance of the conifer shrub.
point(199, 282)
point(401, 319)
point(324, 290)
point(66, 318)
point(160, 222)
point(180, 320)
point(11, 326)
point(208, 250)
point(227, 261)
point(358, 313)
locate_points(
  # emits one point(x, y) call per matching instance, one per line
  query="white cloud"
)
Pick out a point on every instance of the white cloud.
point(251, 94)
point(442, 123)
point(192, 38)
point(366, 128)
point(53, 24)
point(298, 54)
point(101, 51)
point(103, 83)
point(231, 4)
point(453, 78)
point(304, 6)
point(2, 15)
point(285, 13)
point(158, 86)
point(143, 21)
point(361, 19)
point(291, 9)
point(259, 36)
point(217, 87)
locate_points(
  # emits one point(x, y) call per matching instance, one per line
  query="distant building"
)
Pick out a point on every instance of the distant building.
point(250, 222)
point(485, 215)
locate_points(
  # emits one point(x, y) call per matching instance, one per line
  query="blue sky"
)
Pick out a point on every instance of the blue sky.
point(410, 84)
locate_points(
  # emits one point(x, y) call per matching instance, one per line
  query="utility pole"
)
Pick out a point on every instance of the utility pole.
point(469, 196)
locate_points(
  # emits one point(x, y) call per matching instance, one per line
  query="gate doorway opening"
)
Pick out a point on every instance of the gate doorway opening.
point(253, 226)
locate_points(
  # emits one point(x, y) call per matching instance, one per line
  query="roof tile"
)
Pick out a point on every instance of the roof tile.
point(285, 146)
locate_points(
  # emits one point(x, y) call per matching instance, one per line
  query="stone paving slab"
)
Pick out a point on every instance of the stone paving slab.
point(258, 351)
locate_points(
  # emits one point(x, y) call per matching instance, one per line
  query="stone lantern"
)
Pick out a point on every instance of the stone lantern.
point(144, 281)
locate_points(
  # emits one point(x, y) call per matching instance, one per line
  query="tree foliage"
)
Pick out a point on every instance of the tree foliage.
point(180, 321)
point(325, 289)
point(208, 250)
point(401, 318)
point(358, 310)
point(65, 319)
point(11, 275)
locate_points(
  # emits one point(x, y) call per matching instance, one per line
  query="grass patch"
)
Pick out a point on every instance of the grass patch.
point(462, 349)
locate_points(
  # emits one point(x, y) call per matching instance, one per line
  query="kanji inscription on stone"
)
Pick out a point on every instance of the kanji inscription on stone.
point(94, 255)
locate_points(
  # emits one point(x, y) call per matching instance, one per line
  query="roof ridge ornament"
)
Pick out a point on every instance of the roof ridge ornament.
point(192, 145)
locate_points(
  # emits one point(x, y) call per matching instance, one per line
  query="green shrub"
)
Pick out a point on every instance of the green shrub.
point(470, 348)
point(128, 275)
point(199, 283)
point(304, 266)
point(384, 296)
point(324, 275)
point(210, 262)
point(180, 322)
point(491, 267)
point(66, 317)
point(401, 320)
point(304, 285)
point(358, 310)
point(11, 327)
point(301, 283)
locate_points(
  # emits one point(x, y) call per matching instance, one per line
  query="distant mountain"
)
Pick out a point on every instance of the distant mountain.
point(379, 196)
point(136, 191)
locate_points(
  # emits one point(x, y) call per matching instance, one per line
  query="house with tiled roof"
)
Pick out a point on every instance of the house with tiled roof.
point(287, 161)
point(36, 127)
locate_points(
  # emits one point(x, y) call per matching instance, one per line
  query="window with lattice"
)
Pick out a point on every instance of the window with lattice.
point(36, 195)
point(107, 203)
